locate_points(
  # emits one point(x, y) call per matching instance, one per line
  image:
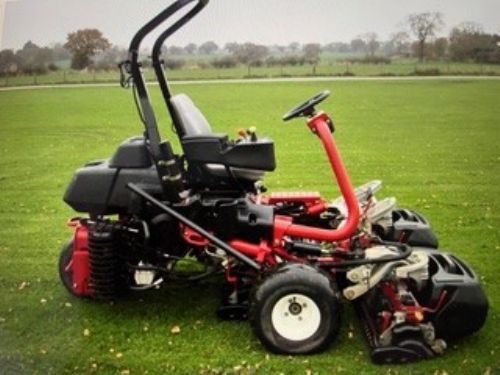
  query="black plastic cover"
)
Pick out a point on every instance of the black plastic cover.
point(241, 218)
point(216, 149)
point(466, 306)
point(100, 189)
point(412, 228)
point(133, 153)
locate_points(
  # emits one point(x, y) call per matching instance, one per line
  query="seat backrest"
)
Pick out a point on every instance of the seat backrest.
point(188, 117)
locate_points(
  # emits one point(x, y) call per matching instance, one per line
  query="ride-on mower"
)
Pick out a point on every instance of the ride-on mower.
point(287, 258)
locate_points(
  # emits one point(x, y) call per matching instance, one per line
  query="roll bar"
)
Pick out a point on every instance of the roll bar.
point(134, 66)
point(159, 19)
point(161, 153)
point(156, 56)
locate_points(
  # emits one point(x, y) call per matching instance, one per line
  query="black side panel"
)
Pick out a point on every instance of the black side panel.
point(133, 153)
point(121, 197)
point(101, 190)
point(243, 219)
point(466, 306)
point(216, 149)
point(412, 228)
point(90, 188)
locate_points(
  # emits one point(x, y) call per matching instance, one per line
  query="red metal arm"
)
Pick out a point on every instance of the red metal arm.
point(319, 125)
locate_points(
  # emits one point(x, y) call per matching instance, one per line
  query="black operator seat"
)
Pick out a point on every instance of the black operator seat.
point(245, 160)
point(188, 115)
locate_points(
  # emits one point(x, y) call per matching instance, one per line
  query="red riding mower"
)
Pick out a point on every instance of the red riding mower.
point(288, 258)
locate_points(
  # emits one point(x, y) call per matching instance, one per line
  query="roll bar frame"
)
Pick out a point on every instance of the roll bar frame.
point(161, 153)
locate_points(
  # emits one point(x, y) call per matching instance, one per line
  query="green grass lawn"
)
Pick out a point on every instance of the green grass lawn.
point(434, 143)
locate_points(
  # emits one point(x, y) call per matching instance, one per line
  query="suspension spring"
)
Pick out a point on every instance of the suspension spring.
point(104, 262)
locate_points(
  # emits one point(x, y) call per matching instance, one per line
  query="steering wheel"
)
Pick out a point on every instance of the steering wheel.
point(306, 108)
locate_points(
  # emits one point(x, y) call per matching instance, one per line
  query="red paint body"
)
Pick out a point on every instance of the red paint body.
point(80, 263)
point(312, 201)
point(192, 237)
point(306, 198)
point(261, 252)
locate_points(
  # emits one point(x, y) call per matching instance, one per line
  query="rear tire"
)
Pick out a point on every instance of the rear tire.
point(296, 310)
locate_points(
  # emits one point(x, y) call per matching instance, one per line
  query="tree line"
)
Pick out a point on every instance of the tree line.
point(88, 48)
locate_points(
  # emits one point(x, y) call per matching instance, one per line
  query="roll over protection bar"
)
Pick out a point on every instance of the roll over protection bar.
point(158, 63)
point(160, 153)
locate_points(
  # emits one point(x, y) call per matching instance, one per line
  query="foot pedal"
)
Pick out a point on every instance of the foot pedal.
point(233, 312)
point(234, 304)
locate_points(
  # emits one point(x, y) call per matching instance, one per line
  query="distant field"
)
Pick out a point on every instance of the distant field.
point(328, 68)
point(434, 143)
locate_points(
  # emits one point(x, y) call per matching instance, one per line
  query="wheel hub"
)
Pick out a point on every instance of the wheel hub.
point(295, 308)
point(296, 317)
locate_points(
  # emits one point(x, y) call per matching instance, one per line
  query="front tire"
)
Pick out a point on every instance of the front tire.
point(296, 310)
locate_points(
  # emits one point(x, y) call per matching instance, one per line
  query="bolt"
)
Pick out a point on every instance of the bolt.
point(304, 305)
point(300, 318)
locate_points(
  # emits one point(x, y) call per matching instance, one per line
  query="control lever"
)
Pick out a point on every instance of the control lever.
point(249, 134)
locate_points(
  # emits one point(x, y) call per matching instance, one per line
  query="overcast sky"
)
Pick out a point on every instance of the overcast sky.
point(260, 21)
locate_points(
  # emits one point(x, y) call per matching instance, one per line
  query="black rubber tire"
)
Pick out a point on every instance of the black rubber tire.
point(64, 259)
point(296, 279)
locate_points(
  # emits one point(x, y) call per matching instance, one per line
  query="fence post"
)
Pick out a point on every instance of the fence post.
point(35, 79)
point(64, 76)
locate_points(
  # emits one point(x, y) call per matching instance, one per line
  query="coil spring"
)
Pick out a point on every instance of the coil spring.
point(104, 263)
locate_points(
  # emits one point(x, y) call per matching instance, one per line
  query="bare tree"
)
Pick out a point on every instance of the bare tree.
point(34, 59)
point(468, 41)
point(175, 50)
point(371, 42)
point(440, 48)
point(424, 26)
point(191, 48)
point(400, 42)
point(208, 48)
point(294, 47)
point(231, 47)
point(60, 53)
point(251, 54)
point(108, 59)
point(358, 45)
point(8, 62)
point(311, 53)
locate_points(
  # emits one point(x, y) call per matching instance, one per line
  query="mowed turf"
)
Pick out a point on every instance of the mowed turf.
point(434, 143)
